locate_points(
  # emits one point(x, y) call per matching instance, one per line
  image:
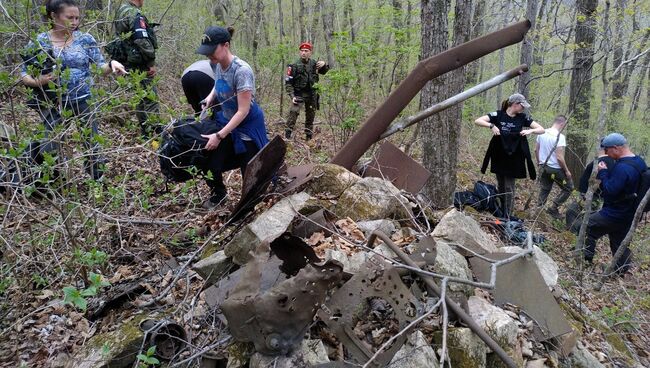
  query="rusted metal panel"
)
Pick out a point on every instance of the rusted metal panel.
point(398, 167)
point(298, 175)
point(341, 313)
point(520, 283)
point(321, 220)
point(261, 169)
point(424, 71)
point(275, 319)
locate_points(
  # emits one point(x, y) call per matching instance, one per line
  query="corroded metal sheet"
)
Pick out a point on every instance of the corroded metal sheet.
point(261, 169)
point(321, 220)
point(342, 311)
point(275, 320)
point(398, 167)
point(298, 175)
point(520, 283)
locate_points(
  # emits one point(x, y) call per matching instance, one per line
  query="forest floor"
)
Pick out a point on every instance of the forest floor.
point(127, 226)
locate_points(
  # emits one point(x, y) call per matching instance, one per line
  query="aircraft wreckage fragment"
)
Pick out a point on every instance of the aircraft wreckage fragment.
point(275, 320)
point(378, 287)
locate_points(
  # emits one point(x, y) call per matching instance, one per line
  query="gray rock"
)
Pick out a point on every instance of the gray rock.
point(357, 260)
point(214, 267)
point(547, 266)
point(415, 353)
point(372, 199)
point(115, 349)
point(311, 353)
point(383, 250)
point(268, 226)
point(331, 180)
point(455, 227)
point(385, 226)
point(465, 348)
point(338, 256)
point(494, 320)
point(581, 357)
point(450, 262)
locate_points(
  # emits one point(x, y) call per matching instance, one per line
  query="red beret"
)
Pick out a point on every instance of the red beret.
point(306, 45)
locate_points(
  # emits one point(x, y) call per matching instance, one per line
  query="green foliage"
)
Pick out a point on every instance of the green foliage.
point(90, 258)
point(77, 298)
point(616, 315)
point(147, 359)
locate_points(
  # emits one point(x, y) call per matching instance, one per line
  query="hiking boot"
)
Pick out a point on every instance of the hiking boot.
point(553, 212)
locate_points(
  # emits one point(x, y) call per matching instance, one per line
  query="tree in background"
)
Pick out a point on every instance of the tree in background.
point(580, 88)
point(441, 132)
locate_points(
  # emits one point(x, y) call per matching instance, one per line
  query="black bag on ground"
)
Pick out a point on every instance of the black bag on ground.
point(183, 147)
point(489, 199)
point(466, 198)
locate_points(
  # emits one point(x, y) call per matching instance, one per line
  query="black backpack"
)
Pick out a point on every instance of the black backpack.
point(644, 185)
point(182, 148)
point(488, 196)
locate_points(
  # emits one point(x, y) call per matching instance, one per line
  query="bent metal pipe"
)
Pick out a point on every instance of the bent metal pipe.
point(423, 72)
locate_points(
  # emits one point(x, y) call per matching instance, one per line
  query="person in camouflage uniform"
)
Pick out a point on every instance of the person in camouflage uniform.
point(135, 47)
point(299, 82)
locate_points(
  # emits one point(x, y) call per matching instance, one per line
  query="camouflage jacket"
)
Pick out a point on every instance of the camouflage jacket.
point(301, 77)
point(141, 43)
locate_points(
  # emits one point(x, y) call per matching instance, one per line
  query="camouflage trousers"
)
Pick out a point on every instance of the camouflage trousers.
point(147, 110)
point(310, 113)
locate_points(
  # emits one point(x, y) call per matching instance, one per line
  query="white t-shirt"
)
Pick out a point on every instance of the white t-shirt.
point(546, 142)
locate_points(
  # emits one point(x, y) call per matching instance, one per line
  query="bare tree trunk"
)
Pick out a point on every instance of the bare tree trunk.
point(618, 89)
point(526, 56)
point(327, 11)
point(502, 52)
point(302, 21)
point(436, 155)
point(580, 88)
point(349, 16)
point(281, 20)
point(639, 87)
point(539, 45)
point(478, 26)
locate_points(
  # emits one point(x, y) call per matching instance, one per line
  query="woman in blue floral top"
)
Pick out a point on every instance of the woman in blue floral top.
point(74, 53)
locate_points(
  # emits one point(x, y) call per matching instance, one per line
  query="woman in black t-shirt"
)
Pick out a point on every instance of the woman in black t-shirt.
point(508, 150)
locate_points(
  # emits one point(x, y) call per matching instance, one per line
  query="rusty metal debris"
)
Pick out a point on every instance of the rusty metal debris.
point(507, 360)
point(321, 220)
point(298, 175)
point(424, 71)
point(166, 335)
point(276, 319)
point(521, 283)
point(378, 284)
point(399, 168)
point(404, 123)
point(261, 169)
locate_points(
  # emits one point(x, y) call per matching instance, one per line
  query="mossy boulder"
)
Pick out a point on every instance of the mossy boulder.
point(465, 348)
point(330, 180)
point(373, 199)
point(115, 349)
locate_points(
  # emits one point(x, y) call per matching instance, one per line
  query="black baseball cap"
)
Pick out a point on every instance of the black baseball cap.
point(212, 37)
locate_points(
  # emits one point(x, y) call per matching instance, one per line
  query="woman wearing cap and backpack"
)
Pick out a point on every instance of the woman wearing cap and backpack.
point(241, 131)
point(508, 150)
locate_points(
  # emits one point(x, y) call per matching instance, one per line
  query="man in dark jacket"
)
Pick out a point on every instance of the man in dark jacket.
point(300, 83)
point(618, 184)
point(135, 47)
